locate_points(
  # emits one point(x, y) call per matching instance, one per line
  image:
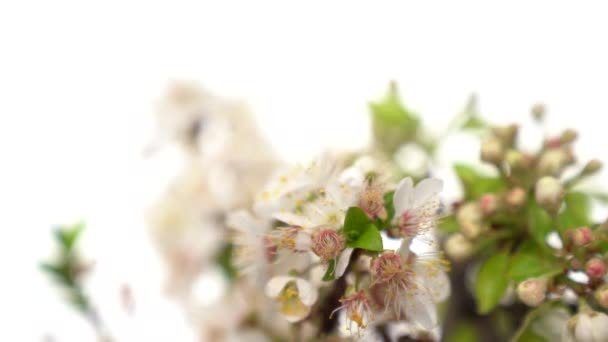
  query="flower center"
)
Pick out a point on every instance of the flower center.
point(290, 303)
point(407, 224)
point(386, 267)
point(327, 243)
point(371, 201)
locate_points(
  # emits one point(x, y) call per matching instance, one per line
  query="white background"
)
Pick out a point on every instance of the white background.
point(78, 80)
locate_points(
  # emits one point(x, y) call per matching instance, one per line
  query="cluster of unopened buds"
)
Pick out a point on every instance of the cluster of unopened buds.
point(532, 212)
point(315, 241)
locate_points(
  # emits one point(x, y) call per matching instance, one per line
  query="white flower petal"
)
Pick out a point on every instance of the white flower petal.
point(402, 199)
point(434, 279)
point(276, 285)
point(599, 327)
point(293, 219)
point(550, 324)
point(426, 189)
point(303, 241)
point(343, 261)
point(421, 310)
point(583, 328)
point(307, 292)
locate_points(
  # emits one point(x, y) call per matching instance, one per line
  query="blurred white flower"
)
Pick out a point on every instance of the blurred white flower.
point(295, 296)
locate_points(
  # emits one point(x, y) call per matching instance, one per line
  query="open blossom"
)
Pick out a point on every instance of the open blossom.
point(416, 208)
point(410, 286)
point(371, 200)
point(294, 296)
point(314, 224)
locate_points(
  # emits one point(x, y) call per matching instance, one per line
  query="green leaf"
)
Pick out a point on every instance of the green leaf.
point(355, 223)
point(529, 261)
point(475, 184)
point(464, 332)
point(449, 224)
point(540, 224)
point(577, 211)
point(392, 123)
point(492, 282)
point(329, 274)
point(370, 239)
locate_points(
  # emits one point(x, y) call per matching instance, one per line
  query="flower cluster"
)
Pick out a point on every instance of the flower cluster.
point(532, 225)
point(324, 231)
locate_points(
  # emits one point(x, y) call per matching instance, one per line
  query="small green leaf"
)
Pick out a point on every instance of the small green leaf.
point(370, 239)
point(449, 224)
point(475, 184)
point(389, 206)
point(329, 274)
point(540, 224)
point(492, 282)
point(68, 235)
point(474, 122)
point(529, 261)
point(577, 211)
point(355, 223)
point(224, 260)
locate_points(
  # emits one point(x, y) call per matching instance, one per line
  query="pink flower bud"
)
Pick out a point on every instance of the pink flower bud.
point(516, 197)
point(582, 236)
point(595, 268)
point(488, 204)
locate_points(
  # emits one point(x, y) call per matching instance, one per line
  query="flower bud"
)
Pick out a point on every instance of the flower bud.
point(582, 236)
point(516, 197)
point(538, 112)
point(553, 161)
point(587, 326)
point(549, 193)
point(601, 296)
point(470, 220)
point(595, 268)
point(492, 151)
point(516, 160)
point(568, 136)
point(532, 291)
point(506, 134)
point(592, 167)
point(488, 204)
point(458, 248)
